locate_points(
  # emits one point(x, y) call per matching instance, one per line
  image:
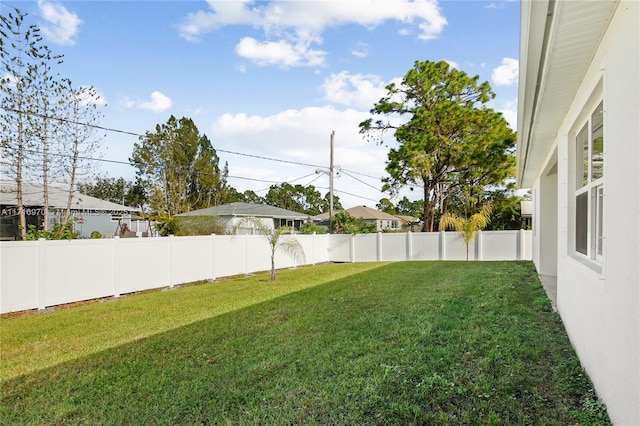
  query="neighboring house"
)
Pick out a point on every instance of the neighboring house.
point(409, 222)
point(526, 213)
point(91, 214)
point(231, 215)
point(383, 221)
point(579, 151)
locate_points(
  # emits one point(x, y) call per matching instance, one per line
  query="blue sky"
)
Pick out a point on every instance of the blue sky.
point(271, 79)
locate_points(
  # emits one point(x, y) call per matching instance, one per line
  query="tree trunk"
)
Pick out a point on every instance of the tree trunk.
point(273, 266)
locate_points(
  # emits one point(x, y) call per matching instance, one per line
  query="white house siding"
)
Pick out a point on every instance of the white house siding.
point(600, 302)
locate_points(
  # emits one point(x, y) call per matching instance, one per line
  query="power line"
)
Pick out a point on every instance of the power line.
point(139, 135)
point(361, 181)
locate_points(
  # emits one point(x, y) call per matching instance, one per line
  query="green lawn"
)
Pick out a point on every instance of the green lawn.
point(375, 343)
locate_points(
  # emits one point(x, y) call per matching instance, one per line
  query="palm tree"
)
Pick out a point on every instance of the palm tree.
point(467, 227)
point(276, 238)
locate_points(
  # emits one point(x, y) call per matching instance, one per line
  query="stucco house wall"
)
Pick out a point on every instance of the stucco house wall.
point(598, 295)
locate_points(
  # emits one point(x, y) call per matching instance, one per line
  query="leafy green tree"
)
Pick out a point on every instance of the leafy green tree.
point(105, 188)
point(447, 136)
point(506, 210)
point(467, 227)
point(385, 205)
point(278, 239)
point(345, 223)
point(137, 195)
point(299, 198)
point(309, 228)
point(209, 184)
point(410, 208)
point(247, 196)
point(180, 167)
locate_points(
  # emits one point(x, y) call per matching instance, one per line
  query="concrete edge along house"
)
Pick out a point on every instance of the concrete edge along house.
point(579, 152)
point(91, 214)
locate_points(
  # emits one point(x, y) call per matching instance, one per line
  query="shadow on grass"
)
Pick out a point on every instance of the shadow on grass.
point(410, 343)
point(39, 341)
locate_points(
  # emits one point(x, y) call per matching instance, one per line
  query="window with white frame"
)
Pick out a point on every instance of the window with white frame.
point(589, 184)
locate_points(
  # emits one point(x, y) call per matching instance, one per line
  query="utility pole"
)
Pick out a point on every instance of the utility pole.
point(333, 132)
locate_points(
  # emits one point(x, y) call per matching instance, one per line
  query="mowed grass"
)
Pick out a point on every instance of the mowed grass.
point(399, 343)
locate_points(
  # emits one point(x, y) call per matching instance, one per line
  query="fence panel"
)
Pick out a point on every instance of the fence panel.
point(315, 248)
point(229, 255)
point(19, 276)
point(365, 247)
point(191, 259)
point(141, 264)
point(77, 270)
point(340, 248)
point(500, 245)
point(455, 249)
point(258, 255)
point(393, 247)
point(425, 246)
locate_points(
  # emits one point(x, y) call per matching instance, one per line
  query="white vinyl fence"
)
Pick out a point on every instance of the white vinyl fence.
point(37, 274)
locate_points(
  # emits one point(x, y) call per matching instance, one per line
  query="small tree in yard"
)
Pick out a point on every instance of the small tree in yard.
point(467, 227)
point(277, 239)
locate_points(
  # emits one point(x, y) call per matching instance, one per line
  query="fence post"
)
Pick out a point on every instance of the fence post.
point(313, 251)
point(479, 243)
point(213, 257)
point(171, 237)
point(352, 248)
point(443, 246)
point(246, 245)
point(379, 246)
point(409, 250)
point(116, 266)
point(520, 251)
point(42, 275)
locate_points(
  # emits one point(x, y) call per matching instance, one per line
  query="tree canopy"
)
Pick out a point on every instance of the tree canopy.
point(299, 198)
point(180, 167)
point(446, 135)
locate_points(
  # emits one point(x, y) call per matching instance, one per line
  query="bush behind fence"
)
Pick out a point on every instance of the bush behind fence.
point(38, 274)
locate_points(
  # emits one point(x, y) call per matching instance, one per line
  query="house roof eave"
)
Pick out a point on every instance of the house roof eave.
point(558, 43)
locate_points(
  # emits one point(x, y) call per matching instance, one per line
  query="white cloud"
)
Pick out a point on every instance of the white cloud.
point(453, 64)
point(355, 90)
point(280, 53)
point(290, 27)
point(507, 73)
point(61, 26)
point(361, 50)
point(509, 110)
point(302, 135)
point(159, 102)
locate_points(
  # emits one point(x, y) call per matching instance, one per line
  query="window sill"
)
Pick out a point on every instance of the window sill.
point(589, 263)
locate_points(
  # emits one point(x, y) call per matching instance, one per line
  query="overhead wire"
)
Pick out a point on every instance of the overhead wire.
point(139, 135)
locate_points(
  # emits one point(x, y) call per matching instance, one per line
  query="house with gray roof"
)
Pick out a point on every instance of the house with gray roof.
point(232, 214)
point(91, 214)
point(383, 221)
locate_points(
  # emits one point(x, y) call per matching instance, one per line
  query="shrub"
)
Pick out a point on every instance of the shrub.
point(199, 225)
point(61, 231)
point(95, 235)
point(310, 228)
